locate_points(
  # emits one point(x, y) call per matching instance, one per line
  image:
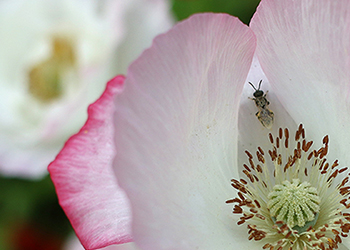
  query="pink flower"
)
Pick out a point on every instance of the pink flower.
point(183, 128)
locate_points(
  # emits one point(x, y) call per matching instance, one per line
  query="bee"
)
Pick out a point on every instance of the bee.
point(264, 115)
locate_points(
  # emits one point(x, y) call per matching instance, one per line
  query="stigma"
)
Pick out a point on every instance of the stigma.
point(291, 197)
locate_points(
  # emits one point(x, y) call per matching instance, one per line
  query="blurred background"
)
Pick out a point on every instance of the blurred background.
point(30, 216)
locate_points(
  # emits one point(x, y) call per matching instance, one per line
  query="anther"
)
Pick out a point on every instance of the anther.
point(325, 139)
point(260, 150)
point(246, 167)
point(280, 133)
point(310, 155)
point(286, 133)
point(260, 157)
point(326, 166)
point(335, 164)
point(342, 170)
point(248, 154)
point(257, 203)
point(259, 169)
point(344, 181)
point(243, 181)
point(308, 146)
point(251, 163)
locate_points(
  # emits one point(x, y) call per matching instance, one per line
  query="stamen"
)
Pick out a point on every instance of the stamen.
point(271, 138)
point(280, 133)
point(286, 134)
point(298, 207)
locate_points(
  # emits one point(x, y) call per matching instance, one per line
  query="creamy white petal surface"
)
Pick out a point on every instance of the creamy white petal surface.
point(304, 50)
point(176, 127)
point(251, 132)
point(74, 244)
point(72, 46)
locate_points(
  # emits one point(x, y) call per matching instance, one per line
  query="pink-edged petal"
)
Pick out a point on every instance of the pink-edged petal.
point(85, 184)
point(304, 50)
point(176, 134)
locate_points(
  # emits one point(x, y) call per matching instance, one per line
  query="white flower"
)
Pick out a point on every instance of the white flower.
point(55, 57)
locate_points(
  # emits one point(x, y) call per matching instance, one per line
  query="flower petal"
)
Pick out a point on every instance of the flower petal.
point(304, 50)
point(74, 244)
point(176, 133)
point(87, 189)
point(251, 132)
point(145, 19)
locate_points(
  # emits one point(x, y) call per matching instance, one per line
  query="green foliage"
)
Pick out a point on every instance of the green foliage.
point(244, 9)
point(29, 204)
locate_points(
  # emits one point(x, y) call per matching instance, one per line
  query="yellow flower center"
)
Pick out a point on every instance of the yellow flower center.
point(45, 78)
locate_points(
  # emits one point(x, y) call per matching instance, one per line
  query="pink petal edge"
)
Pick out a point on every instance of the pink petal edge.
point(85, 184)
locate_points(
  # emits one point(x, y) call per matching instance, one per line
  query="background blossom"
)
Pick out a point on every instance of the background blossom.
point(55, 57)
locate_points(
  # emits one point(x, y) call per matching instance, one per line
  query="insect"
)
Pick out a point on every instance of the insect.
point(264, 115)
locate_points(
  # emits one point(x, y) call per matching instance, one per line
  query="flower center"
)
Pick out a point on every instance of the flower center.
point(302, 205)
point(294, 203)
point(45, 78)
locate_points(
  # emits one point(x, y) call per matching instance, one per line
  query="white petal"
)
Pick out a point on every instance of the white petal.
point(74, 244)
point(304, 50)
point(176, 134)
point(32, 132)
point(144, 19)
point(251, 132)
